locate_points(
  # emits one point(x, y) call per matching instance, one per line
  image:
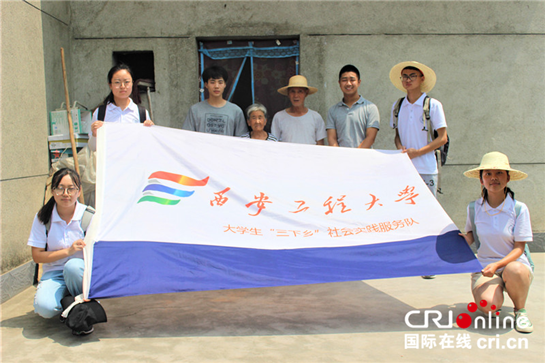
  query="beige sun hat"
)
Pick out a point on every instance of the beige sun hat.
point(495, 161)
point(429, 75)
point(297, 81)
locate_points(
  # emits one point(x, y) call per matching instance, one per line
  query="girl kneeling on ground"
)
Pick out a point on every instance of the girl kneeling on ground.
point(57, 242)
point(502, 226)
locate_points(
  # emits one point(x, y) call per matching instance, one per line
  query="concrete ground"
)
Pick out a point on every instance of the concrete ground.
point(360, 321)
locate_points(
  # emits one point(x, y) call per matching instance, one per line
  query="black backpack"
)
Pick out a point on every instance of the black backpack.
point(80, 315)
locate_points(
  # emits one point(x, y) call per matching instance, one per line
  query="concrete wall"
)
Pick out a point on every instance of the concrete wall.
point(23, 124)
point(56, 34)
point(23, 128)
point(30, 41)
point(488, 57)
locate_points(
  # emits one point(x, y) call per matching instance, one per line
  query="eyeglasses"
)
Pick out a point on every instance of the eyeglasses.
point(411, 76)
point(60, 191)
point(117, 84)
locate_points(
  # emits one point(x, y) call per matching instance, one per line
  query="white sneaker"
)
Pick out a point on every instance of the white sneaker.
point(83, 333)
point(522, 323)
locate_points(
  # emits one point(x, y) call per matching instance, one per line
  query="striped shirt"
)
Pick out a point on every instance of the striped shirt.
point(270, 137)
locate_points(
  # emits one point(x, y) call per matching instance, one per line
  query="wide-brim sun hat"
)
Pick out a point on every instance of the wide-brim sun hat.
point(495, 161)
point(429, 75)
point(297, 81)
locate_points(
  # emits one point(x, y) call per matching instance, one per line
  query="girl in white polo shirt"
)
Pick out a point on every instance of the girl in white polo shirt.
point(59, 249)
point(119, 104)
point(502, 226)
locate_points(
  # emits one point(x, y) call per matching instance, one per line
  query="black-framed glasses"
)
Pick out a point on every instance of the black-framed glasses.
point(60, 190)
point(411, 77)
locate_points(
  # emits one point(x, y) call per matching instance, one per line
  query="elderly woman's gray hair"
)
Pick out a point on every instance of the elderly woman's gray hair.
point(256, 107)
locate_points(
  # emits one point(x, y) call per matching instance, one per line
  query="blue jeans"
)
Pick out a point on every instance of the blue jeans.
point(54, 285)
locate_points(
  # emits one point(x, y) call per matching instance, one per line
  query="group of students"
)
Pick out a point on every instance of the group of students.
point(496, 221)
point(353, 122)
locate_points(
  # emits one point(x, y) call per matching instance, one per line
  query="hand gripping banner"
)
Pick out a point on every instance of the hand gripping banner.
point(186, 211)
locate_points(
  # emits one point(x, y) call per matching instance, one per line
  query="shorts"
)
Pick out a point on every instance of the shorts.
point(431, 182)
point(477, 278)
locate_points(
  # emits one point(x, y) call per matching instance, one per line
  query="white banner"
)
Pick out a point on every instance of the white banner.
point(218, 193)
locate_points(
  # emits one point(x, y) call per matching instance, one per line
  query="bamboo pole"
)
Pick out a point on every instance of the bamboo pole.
point(70, 124)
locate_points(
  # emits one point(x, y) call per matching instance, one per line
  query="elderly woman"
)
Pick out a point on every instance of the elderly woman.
point(257, 119)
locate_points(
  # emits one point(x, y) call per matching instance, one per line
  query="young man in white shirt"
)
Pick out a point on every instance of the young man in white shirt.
point(416, 79)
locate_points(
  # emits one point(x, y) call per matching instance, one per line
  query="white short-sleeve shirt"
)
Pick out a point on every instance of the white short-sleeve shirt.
point(61, 235)
point(499, 228)
point(130, 115)
point(411, 130)
point(306, 129)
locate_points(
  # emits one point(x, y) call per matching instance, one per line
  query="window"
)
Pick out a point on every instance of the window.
point(141, 65)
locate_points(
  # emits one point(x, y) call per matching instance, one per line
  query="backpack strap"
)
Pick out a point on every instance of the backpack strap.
point(518, 206)
point(101, 112)
point(47, 228)
point(426, 119)
point(473, 226)
point(142, 113)
point(37, 266)
point(397, 107)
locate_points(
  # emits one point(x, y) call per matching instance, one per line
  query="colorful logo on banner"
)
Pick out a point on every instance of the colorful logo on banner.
point(157, 192)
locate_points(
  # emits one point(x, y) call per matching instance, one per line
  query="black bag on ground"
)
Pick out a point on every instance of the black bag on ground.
point(82, 316)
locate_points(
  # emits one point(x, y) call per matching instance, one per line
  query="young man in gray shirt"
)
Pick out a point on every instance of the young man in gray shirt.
point(355, 121)
point(216, 115)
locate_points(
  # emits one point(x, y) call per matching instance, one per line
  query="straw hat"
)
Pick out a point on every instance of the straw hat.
point(297, 81)
point(496, 160)
point(429, 75)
